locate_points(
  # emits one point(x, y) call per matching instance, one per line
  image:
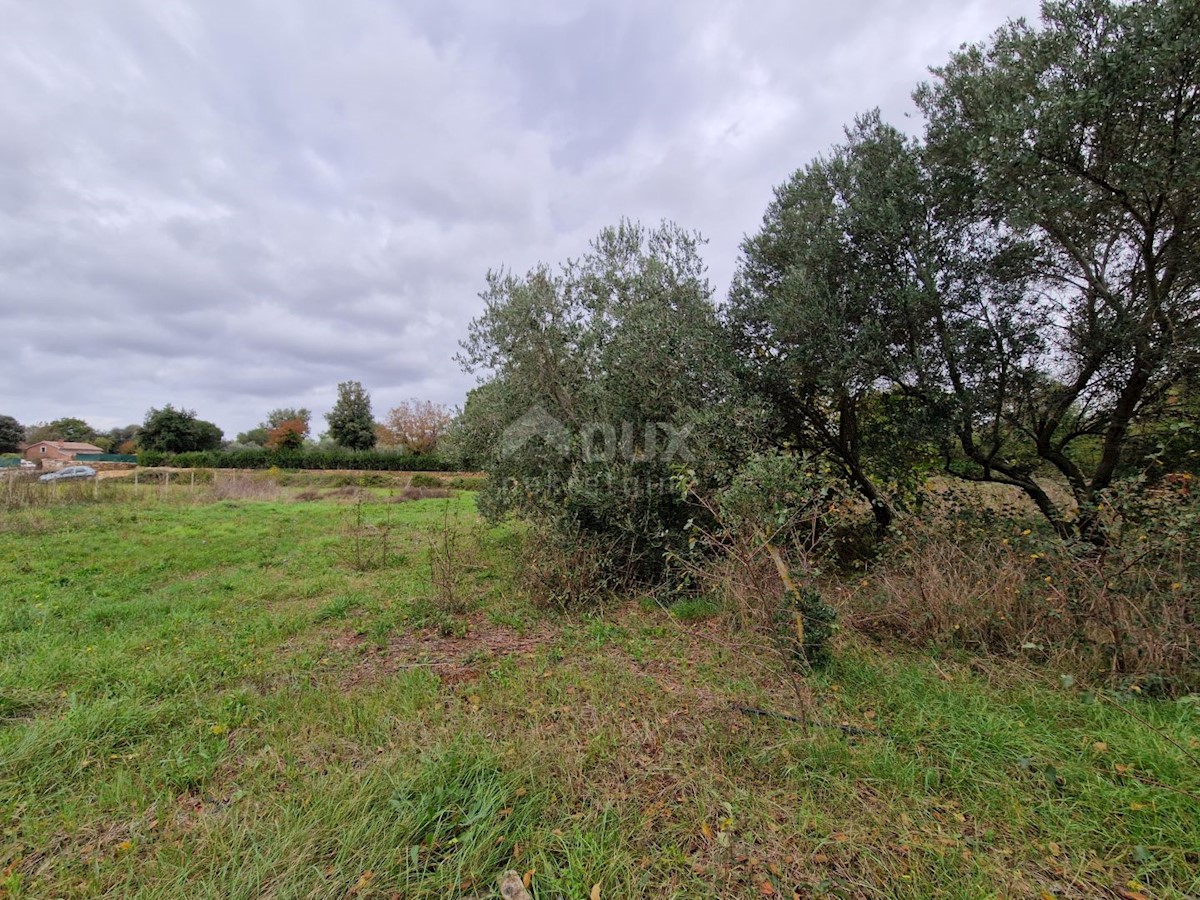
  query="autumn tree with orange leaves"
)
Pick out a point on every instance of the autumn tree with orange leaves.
point(416, 425)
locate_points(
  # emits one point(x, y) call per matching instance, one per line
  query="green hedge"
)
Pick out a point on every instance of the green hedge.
point(369, 460)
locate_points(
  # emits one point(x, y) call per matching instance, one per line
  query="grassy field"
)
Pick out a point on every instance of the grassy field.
point(267, 697)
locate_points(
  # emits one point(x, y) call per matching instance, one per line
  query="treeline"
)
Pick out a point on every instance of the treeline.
point(414, 427)
point(315, 458)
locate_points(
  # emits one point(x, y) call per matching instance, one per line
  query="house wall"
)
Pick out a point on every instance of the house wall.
point(43, 451)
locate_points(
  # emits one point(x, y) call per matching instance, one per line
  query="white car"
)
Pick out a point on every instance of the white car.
point(69, 472)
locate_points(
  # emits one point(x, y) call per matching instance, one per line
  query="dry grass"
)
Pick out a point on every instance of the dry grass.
point(1127, 617)
point(236, 485)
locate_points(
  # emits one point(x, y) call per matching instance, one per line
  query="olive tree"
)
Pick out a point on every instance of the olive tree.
point(866, 322)
point(1082, 137)
point(603, 378)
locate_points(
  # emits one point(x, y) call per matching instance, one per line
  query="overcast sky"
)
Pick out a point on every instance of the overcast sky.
point(232, 205)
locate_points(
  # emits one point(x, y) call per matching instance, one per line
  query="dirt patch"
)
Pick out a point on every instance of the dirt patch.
point(453, 659)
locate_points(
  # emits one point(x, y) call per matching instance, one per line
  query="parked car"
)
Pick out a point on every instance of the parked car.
point(69, 472)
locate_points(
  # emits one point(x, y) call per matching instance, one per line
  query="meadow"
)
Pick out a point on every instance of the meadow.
point(308, 689)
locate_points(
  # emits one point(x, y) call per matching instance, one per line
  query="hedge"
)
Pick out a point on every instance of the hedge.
point(369, 460)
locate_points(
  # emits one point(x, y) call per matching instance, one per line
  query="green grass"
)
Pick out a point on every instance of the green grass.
point(213, 700)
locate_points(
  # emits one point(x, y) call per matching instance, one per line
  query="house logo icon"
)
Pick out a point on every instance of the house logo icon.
point(535, 423)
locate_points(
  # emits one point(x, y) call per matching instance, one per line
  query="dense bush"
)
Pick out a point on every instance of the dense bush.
point(263, 458)
point(608, 376)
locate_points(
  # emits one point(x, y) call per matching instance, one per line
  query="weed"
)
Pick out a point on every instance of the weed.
point(1124, 612)
point(425, 480)
point(365, 545)
point(244, 486)
point(453, 560)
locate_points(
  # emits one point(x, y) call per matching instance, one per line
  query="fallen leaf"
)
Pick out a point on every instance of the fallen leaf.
point(706, 831)
point(1126, 894)
point(595, 895)
point(363, 880)
point(1100, 747)
point(767, 889)
point(527, 879)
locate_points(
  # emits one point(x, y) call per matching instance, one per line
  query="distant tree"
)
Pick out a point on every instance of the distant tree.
point(125, 436)
point(416, 425)
point(289, 434)
point(277, 417)
point(11, 434)
point(174, 430)
point(260, 436)
point(256, 436)
point(66, 429)
point(208, 436)
point(350, 421)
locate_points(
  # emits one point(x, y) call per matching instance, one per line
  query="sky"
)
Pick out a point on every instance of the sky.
point(234, 205)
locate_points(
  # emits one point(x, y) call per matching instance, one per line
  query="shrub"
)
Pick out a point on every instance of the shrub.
point(244, 486)
point(468, 482)
point(420, 493)
point(563, 568)
point(762, 556)
point(1126, 613)
point(315, 458)
point(423, 480)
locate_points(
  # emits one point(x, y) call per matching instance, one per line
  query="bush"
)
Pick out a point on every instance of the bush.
point(564, 569)
point(758, 546)
point(421, 480)
point(243, 486)
point(262, 458)
point(1126, 613)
